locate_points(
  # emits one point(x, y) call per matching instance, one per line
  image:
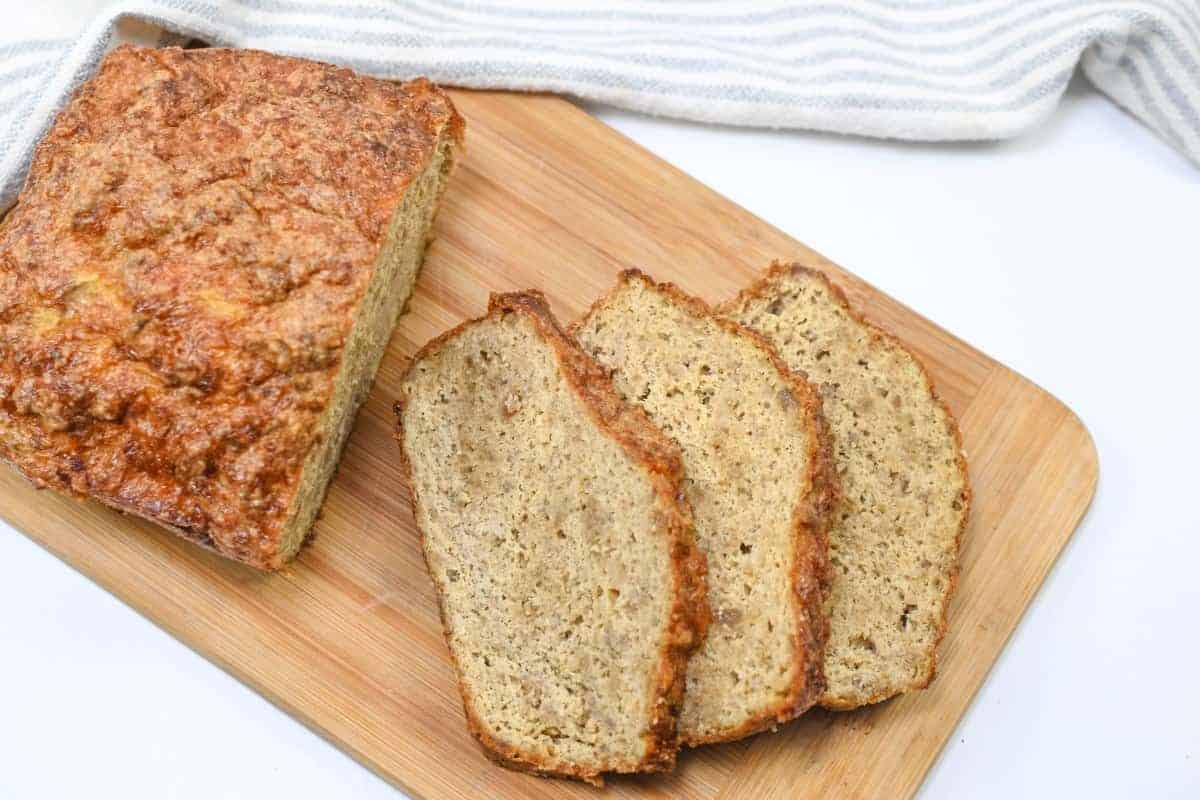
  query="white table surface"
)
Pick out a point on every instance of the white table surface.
point(1072, 255)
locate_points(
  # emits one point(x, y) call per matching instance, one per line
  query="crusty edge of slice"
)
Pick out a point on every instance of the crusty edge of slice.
point(690, 616)
point(761, 288)
point(810, 523)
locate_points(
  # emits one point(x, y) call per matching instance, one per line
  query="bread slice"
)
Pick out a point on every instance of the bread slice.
point(757, 463)
point(894, 541)
point(200, 277)
point(570, 588)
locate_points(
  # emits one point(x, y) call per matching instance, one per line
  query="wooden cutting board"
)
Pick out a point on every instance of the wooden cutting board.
point(347, 638)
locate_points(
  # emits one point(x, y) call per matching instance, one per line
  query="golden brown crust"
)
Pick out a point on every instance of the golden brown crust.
point(761, 288)
point(631, 428)
point(179, 276)
point(810, 567)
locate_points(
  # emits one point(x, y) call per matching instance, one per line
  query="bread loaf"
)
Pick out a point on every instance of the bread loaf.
point(559, 544)
point(756, 457)
point(894, 539)
point(200, 277)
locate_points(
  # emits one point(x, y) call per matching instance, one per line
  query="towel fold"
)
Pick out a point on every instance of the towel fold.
point(905, 69)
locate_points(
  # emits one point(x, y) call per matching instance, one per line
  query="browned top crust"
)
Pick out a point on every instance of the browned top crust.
point(690, 613)
point(179, 277)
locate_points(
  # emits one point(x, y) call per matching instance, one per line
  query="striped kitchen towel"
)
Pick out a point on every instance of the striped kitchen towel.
point(907, 69)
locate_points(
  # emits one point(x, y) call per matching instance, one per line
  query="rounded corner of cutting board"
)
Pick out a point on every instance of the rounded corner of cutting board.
point(1088, 449)
point(1086, 453)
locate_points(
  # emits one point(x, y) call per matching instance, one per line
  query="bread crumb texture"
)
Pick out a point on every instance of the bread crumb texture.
point(181, 276)
point(570, 591)
point(752, 453)
point(894, 540)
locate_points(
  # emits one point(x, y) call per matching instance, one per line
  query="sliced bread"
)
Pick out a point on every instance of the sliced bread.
point(894, 540)
point(756, 458)
point(559, 544)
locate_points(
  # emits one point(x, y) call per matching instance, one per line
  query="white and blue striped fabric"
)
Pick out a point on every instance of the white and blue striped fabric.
point(907, 69)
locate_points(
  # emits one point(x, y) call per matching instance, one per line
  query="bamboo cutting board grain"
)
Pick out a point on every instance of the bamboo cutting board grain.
point(347, 638)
